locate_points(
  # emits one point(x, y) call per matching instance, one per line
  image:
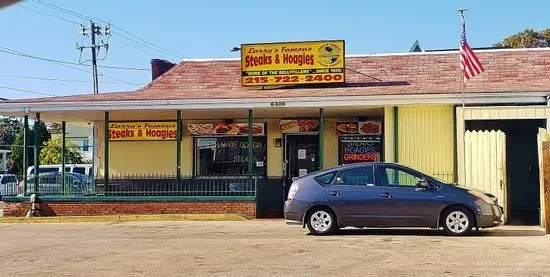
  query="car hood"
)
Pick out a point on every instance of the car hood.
point(466, 189)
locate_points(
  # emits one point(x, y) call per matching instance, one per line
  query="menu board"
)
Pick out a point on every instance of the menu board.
point(235, 129)
point(368, 127)
point(356, 149)
point(299, 125)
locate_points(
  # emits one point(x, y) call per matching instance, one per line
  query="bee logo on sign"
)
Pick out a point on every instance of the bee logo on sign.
point(330, 55)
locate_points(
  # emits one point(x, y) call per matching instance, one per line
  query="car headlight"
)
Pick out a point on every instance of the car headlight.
point(482, 196)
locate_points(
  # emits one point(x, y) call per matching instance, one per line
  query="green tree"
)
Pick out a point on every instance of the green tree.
point(9, 128)
point(15, 165)
point(51, 152)
point(527, 38)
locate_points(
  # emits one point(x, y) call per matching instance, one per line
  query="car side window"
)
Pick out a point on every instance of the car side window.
point(360, 176)
point(397, 177)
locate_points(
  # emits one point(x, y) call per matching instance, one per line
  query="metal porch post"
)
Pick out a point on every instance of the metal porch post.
point(25, 152)
point(250, 149)
point(106, 154)
point(321, 138)
point(63, 131)
point(178, 151)
point(36, 152)
point(396, 134)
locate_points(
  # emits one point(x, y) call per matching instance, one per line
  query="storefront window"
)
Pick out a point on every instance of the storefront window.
point(229, 156)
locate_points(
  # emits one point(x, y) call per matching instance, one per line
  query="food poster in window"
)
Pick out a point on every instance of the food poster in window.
point(225, 129)
point(367, 127)
point(299, 125)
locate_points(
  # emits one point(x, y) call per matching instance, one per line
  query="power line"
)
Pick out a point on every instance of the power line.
point(62, 63)
point(47, 14)
point(18, 53)
point(145, 43)
point(54, 79)
point(29, 91)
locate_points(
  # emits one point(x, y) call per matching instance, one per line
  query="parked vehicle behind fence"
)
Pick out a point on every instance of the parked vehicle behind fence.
point(8, 183)
point(386, 195)
point(50, 184)
point(84, 169)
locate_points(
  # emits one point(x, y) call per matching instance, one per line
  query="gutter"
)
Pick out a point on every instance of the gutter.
point(290, 102)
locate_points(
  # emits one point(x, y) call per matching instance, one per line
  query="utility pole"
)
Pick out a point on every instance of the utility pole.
point(94, 30)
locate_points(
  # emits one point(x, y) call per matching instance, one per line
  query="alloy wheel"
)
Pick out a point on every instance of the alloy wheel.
point(457, 222)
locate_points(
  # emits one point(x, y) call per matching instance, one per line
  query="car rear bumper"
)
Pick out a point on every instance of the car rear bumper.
point(294, 212)
point(491, 220)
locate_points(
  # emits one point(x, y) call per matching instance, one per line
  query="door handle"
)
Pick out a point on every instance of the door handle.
point(334, 193)
point(385, 195)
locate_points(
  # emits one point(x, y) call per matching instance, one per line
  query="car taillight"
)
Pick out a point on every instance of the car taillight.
point(292, 191)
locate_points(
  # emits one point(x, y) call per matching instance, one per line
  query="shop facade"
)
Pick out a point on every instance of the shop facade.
point(197, 140)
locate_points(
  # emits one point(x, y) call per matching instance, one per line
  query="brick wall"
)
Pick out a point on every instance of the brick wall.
point(67, 208)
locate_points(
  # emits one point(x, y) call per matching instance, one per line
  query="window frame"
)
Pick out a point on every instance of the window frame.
point(409, 171)
point(333, 183)
point(196, 162)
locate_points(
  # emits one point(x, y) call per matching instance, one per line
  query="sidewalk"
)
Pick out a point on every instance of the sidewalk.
point(123, 218)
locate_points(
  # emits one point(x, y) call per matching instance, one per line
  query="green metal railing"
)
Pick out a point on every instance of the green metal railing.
point(52, 184)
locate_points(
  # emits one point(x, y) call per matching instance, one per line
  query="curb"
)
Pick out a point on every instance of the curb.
point(126, 218)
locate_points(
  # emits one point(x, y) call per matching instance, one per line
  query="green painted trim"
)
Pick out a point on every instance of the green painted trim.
point(250, 149)
point(396, 134)
point(36, 151)
point(63, 137)
point(455, 146)
point(130, 198)
point(106, 154)
point(178, 148)
point(321, 138)
point(25, 150)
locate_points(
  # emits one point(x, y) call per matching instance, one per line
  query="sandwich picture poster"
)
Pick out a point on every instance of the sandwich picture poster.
point(299, 125)
point(233, 129)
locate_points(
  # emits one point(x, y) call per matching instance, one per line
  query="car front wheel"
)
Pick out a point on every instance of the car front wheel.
point(457, 221)
point(321, 221)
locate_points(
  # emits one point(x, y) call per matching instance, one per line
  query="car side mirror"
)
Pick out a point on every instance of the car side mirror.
point(339, 180)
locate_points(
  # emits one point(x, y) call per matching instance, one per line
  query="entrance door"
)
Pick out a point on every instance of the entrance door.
point(301, 157)
point(486, 164)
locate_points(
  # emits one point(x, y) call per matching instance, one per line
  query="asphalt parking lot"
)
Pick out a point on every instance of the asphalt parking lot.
point(264, 248)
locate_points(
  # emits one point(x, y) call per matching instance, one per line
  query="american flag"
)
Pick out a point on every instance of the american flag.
point(469, 63)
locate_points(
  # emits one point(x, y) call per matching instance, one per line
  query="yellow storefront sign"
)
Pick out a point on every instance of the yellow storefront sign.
point(292, 63)
point(143, 130)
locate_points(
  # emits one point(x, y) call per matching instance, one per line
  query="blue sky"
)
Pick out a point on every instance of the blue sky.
point(208, 29)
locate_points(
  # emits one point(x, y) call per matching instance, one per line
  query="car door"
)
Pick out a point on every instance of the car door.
point(402, 201)
point(354, 196)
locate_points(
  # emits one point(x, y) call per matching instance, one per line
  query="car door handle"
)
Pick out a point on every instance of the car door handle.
point(334, 193)
point(385, 195)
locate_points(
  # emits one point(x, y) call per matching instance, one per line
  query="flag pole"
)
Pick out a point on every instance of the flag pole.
point(461, 11)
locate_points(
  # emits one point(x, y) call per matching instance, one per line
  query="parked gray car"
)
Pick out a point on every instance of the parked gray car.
point(386, 195)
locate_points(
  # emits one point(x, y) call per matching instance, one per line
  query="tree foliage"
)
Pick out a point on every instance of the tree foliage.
point(51, 152)
point(527, 38)
point(15, 165)
point(9, 128)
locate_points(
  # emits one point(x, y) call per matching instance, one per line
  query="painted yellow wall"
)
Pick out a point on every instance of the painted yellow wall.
point(331, 143)
point(426, 139)
point(389, 140)
point(274, 154)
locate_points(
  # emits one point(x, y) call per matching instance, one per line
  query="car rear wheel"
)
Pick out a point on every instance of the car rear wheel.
point(457, 221)
point(321, 221)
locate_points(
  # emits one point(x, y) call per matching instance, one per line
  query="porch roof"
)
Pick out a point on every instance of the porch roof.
point(391, 76)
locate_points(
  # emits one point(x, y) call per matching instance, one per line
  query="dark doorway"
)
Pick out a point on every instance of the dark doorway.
point(301, 157)
point(521, 166)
